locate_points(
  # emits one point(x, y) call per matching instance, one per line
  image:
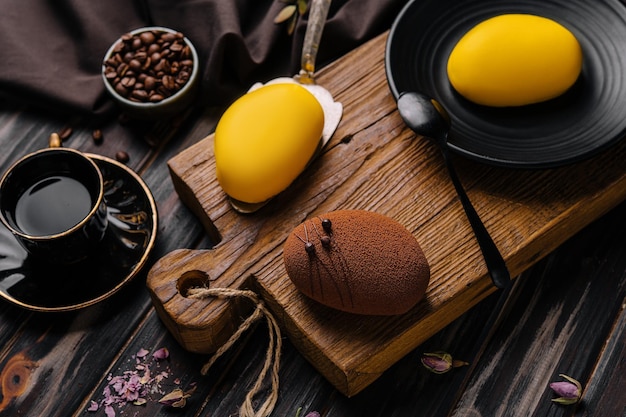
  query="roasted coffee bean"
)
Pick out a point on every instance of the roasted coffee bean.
point(176, 47)
point(128, 82)
point(136, 44)
point(140, 95)
point(121, 90)
point(149, 83)
point(146, 65)
point(186, 52)
point(141, 56)
point(122, 156)
point(65, 133)
point(122, 68)
point(170, 37)
point(162, 66)
point(155, 47)
point(182, 78)
point(97, 135)
point(147, 38)
point(135, 65)
point(168, 82)
point(150, 66)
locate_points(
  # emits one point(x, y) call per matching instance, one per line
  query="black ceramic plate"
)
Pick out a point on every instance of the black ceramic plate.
point(590, 117)
point(129, 239)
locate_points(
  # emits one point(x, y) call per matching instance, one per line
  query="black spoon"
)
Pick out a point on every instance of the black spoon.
point(426, 117)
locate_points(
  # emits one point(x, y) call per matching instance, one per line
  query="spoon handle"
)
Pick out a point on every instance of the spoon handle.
point(312, 37)
point(493, 258)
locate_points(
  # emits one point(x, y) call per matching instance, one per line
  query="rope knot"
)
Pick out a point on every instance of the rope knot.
point(272, 356)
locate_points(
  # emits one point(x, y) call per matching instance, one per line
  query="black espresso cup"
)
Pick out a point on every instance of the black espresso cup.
point(52, 201)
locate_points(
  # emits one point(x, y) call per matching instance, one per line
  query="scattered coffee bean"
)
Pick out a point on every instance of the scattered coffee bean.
point(122, 156)
point(65, 133)
point(97, 135)
point(150, 66)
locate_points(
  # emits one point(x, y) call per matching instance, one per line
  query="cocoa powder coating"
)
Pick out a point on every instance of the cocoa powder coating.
point(367, 264)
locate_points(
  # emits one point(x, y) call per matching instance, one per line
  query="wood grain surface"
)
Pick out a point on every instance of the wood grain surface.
point(375, 163)
point(565, 314)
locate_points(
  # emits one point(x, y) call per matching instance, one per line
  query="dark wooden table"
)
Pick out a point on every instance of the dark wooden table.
point(565, 316)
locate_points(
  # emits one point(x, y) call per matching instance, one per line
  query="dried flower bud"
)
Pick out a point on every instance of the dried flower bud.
point(177, 398)
point(440, 362)
point(569, 391)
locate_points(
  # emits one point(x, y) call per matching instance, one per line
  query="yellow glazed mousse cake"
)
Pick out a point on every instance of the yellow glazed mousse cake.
point(265, 139)
point(515, 60)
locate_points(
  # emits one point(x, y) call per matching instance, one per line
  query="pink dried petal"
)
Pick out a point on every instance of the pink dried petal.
point(161, 354)
point(109, 411)
point(134, 379)
point(93, 406)
point(108, 397)
point(119, 386)
point(131, 396)
point(142, 353)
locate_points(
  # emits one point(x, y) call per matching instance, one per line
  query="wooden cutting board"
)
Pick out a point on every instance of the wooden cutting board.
point(375, 163)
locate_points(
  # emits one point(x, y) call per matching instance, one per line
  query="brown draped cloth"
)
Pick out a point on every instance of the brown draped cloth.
point(51, 50)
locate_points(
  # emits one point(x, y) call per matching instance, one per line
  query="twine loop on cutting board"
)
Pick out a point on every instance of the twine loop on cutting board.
point(272, 356)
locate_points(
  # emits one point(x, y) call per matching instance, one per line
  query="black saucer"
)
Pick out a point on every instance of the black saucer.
point(36, 285)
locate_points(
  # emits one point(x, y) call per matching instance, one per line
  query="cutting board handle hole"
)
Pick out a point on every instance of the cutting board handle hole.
point(192, 279)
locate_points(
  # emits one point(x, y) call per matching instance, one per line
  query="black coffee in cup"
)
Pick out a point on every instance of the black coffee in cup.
point(52, 205)
point(52, 201)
